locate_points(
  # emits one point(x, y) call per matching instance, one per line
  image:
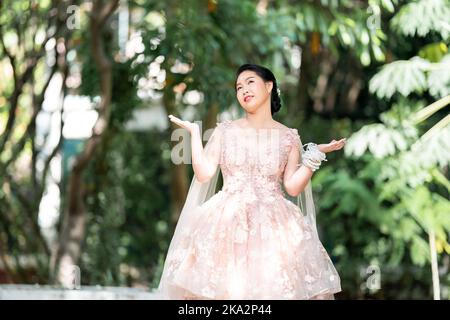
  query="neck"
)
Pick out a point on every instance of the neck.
point(260, 119)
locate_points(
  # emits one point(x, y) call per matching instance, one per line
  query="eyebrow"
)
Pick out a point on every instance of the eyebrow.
point(245, 80)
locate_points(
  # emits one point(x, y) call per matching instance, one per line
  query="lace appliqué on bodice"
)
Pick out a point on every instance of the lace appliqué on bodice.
point(253, 162)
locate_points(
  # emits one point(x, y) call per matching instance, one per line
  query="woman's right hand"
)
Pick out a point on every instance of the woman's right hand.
point(189, 126)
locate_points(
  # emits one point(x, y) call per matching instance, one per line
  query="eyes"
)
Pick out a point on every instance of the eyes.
point(237, 89)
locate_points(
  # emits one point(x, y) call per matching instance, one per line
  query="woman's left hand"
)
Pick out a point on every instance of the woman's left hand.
point(332, 146)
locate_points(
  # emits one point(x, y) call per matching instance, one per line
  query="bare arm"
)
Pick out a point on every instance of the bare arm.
point(204, 165)
point(296, 175)
point(295, 178)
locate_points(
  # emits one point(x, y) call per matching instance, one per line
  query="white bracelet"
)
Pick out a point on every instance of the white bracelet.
point(313, 157)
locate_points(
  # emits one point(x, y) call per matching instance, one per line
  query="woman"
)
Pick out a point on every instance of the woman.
point(248, 241)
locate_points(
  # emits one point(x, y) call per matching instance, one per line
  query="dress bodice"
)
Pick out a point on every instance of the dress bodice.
point(253, 161)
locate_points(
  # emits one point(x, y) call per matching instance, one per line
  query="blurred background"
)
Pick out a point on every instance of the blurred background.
point(88, 190)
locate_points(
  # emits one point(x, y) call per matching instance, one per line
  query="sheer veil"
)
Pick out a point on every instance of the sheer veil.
point(201, 192)
point(198, 194)
point(305, 201)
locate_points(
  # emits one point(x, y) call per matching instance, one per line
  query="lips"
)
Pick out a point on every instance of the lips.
point(247, 98)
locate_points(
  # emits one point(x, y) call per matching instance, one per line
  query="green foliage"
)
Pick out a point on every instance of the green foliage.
point(433, 52)
point(439, 78)
point(384, 139)
point(376, 205)
point(204, 38)
point(422, 17)
point(402, 158)
point(403, 77)
point(128, 211)
point(415, 75)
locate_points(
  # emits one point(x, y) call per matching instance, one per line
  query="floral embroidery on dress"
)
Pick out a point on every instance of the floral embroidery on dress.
point(251, 242)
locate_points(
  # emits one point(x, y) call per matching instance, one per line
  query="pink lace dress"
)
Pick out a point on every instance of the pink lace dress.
point(251, 242)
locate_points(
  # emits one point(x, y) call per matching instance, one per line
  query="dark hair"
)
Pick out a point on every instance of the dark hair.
point(266, 75)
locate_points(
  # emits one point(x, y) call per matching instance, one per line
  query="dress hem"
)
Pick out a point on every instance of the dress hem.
point(194, 294)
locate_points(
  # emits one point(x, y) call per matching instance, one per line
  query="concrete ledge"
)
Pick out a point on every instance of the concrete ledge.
point(43, 292)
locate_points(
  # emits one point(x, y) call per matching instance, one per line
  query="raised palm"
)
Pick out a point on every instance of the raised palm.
point(190, 126)
point(332, 146)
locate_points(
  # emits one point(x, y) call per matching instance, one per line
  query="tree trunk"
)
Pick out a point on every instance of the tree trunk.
point(64, 262)
point(179, 184)
point(304, 80)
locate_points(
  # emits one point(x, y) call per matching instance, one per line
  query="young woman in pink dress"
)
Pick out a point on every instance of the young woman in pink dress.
point(248, 240)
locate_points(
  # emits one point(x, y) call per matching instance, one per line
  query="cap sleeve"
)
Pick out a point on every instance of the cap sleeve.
point(223, 125)
point(294, 139)
point(213, 147)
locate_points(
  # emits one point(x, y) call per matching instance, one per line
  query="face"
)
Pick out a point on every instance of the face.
point(251, 91)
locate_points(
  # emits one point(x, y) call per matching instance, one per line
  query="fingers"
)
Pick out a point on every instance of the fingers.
point(338, 144)
point(173, 118)
point(176, 120)
point(341, 143)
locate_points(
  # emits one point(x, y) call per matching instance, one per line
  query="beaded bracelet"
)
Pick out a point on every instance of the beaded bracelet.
point(313, 157)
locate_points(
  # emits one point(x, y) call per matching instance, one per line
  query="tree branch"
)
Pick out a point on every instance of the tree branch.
point(107, 11)
point(58, 145)
point(29, 209)
point(31, 59)
point(18, 147)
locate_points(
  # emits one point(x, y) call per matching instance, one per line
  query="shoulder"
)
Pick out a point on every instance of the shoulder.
point(293, 137)
point(223, 124)
point(241, 123)
point(237, 122)
point(279, 125)
point(293, 132)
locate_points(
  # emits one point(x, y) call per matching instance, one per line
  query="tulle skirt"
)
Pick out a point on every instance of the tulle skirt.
point(249, 248)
